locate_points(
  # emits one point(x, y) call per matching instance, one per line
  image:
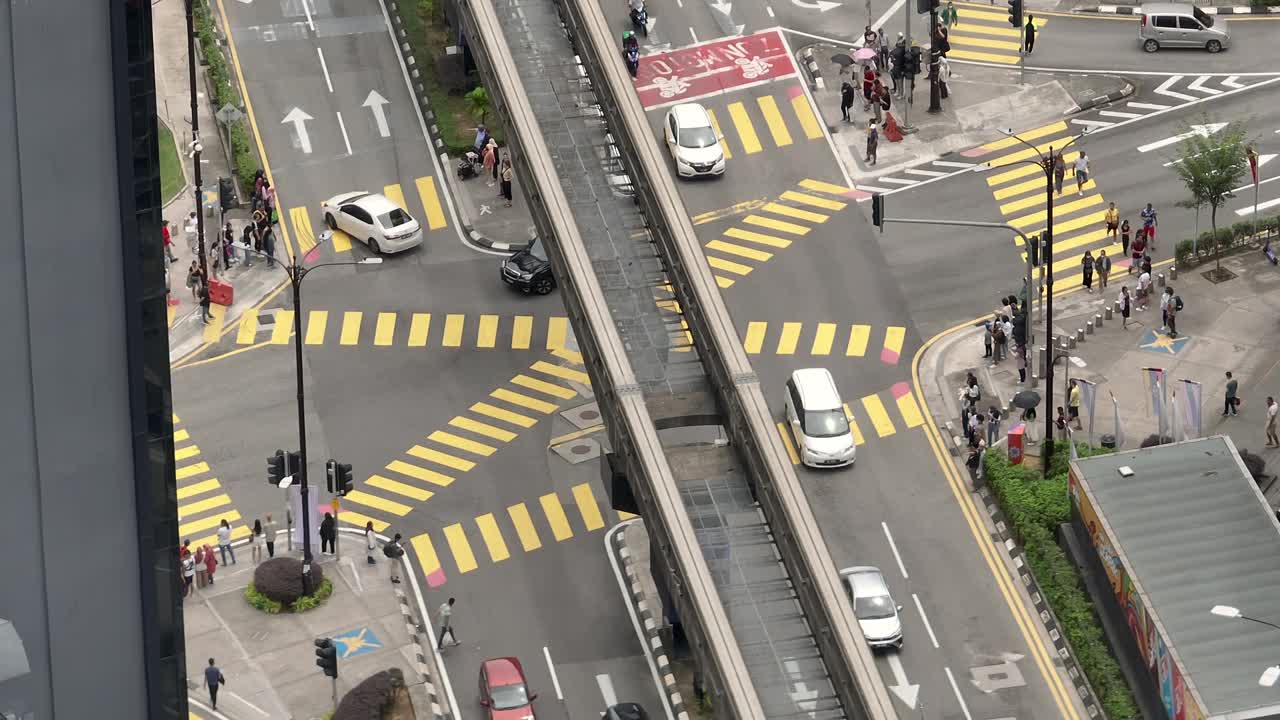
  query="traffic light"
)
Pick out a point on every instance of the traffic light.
point(1033, 250)
point(327, 656)
point(276, 470)
point(926, 6)
point(345, 482)
point(295, 466)
point(1015, 13)
point(913, 62)
point(877, 210)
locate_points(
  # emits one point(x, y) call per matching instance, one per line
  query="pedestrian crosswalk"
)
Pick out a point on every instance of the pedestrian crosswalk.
point(774, 120)
point(1078, 215)
point(872, 416)
point(405, 329)
point(823, 338)
point(899, 179)
point(427, 209)
point(983, 34)
point(524, 527)
point(1171, 92)
point(203, 502)
point(438, 459)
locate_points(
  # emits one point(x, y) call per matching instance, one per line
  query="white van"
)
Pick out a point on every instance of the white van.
point(816, 416)
point(1171, 25)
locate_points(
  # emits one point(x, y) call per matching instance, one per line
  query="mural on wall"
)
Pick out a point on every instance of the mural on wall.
point(1175, 694)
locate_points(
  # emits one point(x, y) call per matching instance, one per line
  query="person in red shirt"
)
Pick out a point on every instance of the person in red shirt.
point(168, 241)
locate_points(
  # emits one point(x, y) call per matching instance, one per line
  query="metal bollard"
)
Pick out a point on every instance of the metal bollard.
point(1097, 320)
point(1160, 280)
point(1173, 272)
point(1108, 310)
point(1088, 327)
point(1079, 338)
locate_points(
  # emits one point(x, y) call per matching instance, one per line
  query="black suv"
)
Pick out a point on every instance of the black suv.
point(530, 270)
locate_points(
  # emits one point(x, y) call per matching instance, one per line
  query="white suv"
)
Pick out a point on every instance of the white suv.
point(693, 141)
point(816, 416)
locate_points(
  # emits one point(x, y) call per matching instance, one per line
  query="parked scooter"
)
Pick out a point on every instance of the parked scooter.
point(468, 165)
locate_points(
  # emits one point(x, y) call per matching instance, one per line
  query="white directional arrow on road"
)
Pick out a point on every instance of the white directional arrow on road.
point(721, 6)
point(905, 691)
point(299, 118)
point(1201, 130)
point(376, 103)
point(819, 5)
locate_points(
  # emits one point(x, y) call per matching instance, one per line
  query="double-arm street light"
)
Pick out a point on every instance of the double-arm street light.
point(1271, 674)
point(1046, 164)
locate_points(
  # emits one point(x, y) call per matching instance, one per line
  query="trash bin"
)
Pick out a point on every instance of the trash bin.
point(1108, 441)
point(1015, 443)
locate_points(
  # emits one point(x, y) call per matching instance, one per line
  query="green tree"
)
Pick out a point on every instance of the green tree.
point(478, 103)
point(1210, 164)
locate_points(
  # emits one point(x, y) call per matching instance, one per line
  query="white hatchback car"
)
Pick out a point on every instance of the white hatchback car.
point(873, 606)
point(373, 220)
point(693, 141)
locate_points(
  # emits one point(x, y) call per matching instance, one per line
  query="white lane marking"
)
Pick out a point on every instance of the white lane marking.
point(1147, 106)
point(902, 687)
point(871, 188)
point(897, 181)
point(298, 118)
point(925, 619)
point(606, 690)
point(894, 548)
point(325, 67)
point(345, 139)
point(631, 610)
point(306, 7)
point(1201, 130)
point(694, 34)
point(769, 9)
point(1117, 114)
point(1231, 82)
point(555, 679)
point(1261, 206)
point(953, 164)
point(926, 173)
point(1198, 86)
point(956, 688)
point(1091, 124)
point(1164, 89)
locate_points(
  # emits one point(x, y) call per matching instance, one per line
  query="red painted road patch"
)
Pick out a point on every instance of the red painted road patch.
point(712, 68)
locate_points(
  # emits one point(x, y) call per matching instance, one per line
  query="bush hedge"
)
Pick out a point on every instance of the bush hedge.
point(277, 585)
point(243, 154)
point(372, 697)
point(1035, 507)
point(1188, 253)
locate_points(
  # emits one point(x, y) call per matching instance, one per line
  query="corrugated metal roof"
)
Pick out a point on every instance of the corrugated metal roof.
point(1195, 532)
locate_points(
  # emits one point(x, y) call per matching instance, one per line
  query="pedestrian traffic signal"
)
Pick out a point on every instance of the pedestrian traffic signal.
point(276, 470)
point(327, 656)
point(345, 482)
point(926, 6)
point(913, 62)
point(1033, 250)
point(877, 210)
point(330, 474)
point(295, 466)
point(1015, 13)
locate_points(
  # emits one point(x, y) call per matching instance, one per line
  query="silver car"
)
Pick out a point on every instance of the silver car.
point(1172, 25)
point(873, 606)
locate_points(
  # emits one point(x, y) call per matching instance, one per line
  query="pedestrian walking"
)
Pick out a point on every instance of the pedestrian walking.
point(328, 534)
point(167, 237)
point(444, 618)
point(1086, 264)
point(973, 429)
point(1149, 222)
point(224, 542)
point(205, 301)
point(1137, 250)
point(877, 102)
point(993, 425)
point(1073, 404)
point(202, 573)
point(1124, 238)
point(256, 542)
point(1124, 307)
point(228, 245)
point(269, 529)
point(1231, 402)
point(1173, 306)
point(490, 162)
point(213, 678)
point(1059, 172)
point(847, 95)
point(395, 551)
point(269, 246)
point(188, 573)
point(1103, 266)
point(508, 174)
point(1030, 35)
point(873, 142)
point(370, 542)
point(882, 48)
point(1112, 219)
point(950, 16)
point(1164, 308)
point(192, 230)
point(1020, 362)
point(988, 339)
point(1272, 440)
point(1081, 172)
point(193, 279)
point(868, 84)
point(210, 562)
point(1146, 263)
point(1144, 290)
point(897, 66)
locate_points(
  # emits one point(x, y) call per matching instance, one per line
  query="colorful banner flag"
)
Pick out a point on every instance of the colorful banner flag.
point(1252, 154)
point(1152, 379)
point(1088, 396)
point(1176, 418)
point(1071, 440)
point(1115, 406)
point(1193, 407)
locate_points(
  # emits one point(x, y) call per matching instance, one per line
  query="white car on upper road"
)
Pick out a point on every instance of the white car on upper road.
point(693, 141)
point(374, 220)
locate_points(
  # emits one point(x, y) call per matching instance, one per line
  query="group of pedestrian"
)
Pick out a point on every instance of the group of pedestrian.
point(998, 336)
point(497, 167)
point(1231, 408)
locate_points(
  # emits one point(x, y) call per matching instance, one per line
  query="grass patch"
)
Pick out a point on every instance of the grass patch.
point(243, 153)
point(172, 181)
point(1035, 507)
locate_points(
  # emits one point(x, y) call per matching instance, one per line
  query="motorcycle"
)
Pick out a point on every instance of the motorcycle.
point(468, 165)
point(640, 19)
point(633, 60)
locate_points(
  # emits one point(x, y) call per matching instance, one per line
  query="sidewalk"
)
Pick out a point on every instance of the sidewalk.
point(486, 223)
point(269, 660)
point(173, 106)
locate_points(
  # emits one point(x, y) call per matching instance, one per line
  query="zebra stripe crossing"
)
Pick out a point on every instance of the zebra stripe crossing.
point(983, 34)
point(202, 500)
point(405, 329)
point(871, 413)
point(822, 338)
point(429, 211)
point(783, 127)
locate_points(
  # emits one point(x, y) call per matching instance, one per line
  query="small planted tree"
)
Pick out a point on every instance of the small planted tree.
point(1210, 162)
point(478, 103)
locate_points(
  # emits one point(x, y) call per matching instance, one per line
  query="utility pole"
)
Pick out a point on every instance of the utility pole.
point(295, 279)
point(195, 135)
point(1047, 453)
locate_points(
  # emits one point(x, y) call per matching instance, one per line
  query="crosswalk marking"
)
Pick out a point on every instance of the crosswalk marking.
point(556, 518)
point(804, 113)
point(410, 491)
point(480, 428)
point(460, 548)
point(419, 473)
point(439, 457)
point(431, 202)
point(1007, 31)
point(854, 430)
point(564, 373)
point(773, 118)
point(806, 215)
point(985, 43)
point(453, 326)
point(812, 200)
point(522, 332)
point(213, 329)
point(544, 387)
point(824, 187)
point(378, 503)
point(1034, 185)
point(879, 416)
point(557, 331)
point(426, 552)
point(317, 321)
point(199, 488)
point(746, 130)
point(859, 335)
point(789, 338)
point(1060, 209)
point(356, 519)
point(1024, 170)
point(208, 523)
point(385, 330)
point(302, 232)
point(525, 529)
point(195, 508)
point(248, 332)
point(728, 265)
point(739, 250)
point(183, 453)
point(976, 56)
point(823, 339)
point(723, 282)
point(523, 401)
point(754, 339)
point(788, 443)
point(724, 142)
point(493, 541)
point(192, 470)
point(587, 506)
point(396, 195)
point(778, 225)
point(893, 338)
point(755, 237)
point(488, 335)
point(501, 414)
point(283, 327)
point(908, 408)
point(340, 241)
point(180, 435)
point(351, 328)
point(1036, 199)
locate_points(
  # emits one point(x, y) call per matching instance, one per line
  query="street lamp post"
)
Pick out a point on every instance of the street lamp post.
point(195, 135)
point(1271, 674)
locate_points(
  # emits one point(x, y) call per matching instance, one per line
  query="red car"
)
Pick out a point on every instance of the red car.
point(503, 690)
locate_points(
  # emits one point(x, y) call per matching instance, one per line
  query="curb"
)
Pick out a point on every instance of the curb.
point(654, 644)
point(1104, 99)
point(472, 235)
point(1220, 10)
point(416, 632)
point(811, 65)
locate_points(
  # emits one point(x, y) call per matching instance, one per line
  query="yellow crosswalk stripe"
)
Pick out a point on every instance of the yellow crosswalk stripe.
point(910, 410)
point(1075, 223)
point(238, 532)
point(351, 328)
point(317, 320)
point(824, 187)
point(385, 331)
point(625, 515)
point(187, 471)
point(199, 488)
point(773, 118)
point(195, 508)
point(426, 552)
point(1056, 128)
point(879, 416)
point(1062, 244)
point(976, 56)
point(213, 521)
point(728, 265)
point(971, 28)
point(724, 143)
point(399, 488)
point(525, 529)
point(1059, 211)
point(804, 113)
point(724, 282)
point(823, 339)
point(789, 338)
point(395, 195)
point(746, 131)
point(492, 537)
point(1067, 270)
point(778, 225)
point(755, 337)
point(544, 387)
point(1035, 200)
point(180, 435)
point(739, 250)
point(554, 512)
point(247, 334)
point(390, 506)
point(419, 473)
point(213, 329)
point(523, 400)
point(441, 458)
point(498, 413)
point(431, 202)
point(488, 336)
point(557, 332)
point(858, 337)
point(812, 200)
point(561, 372)
point(485, 429)
point(283, 327)
point(461, 443)
point(980, 15)
point(893, 337)
point(183, 453)
point(854, 430)
point(341, 241)
point(1023, 170)
point(806, 215)
point(1034, 185)
point(171, 311)
point(755, 237)
point(302, 232)
point(460, 547)
point(1031, 153)
point(419, 328)
point(982, 42)
point(788, 444)
point(521, 332)
point(360, 520)
point(453, 327)
point(587, 506)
